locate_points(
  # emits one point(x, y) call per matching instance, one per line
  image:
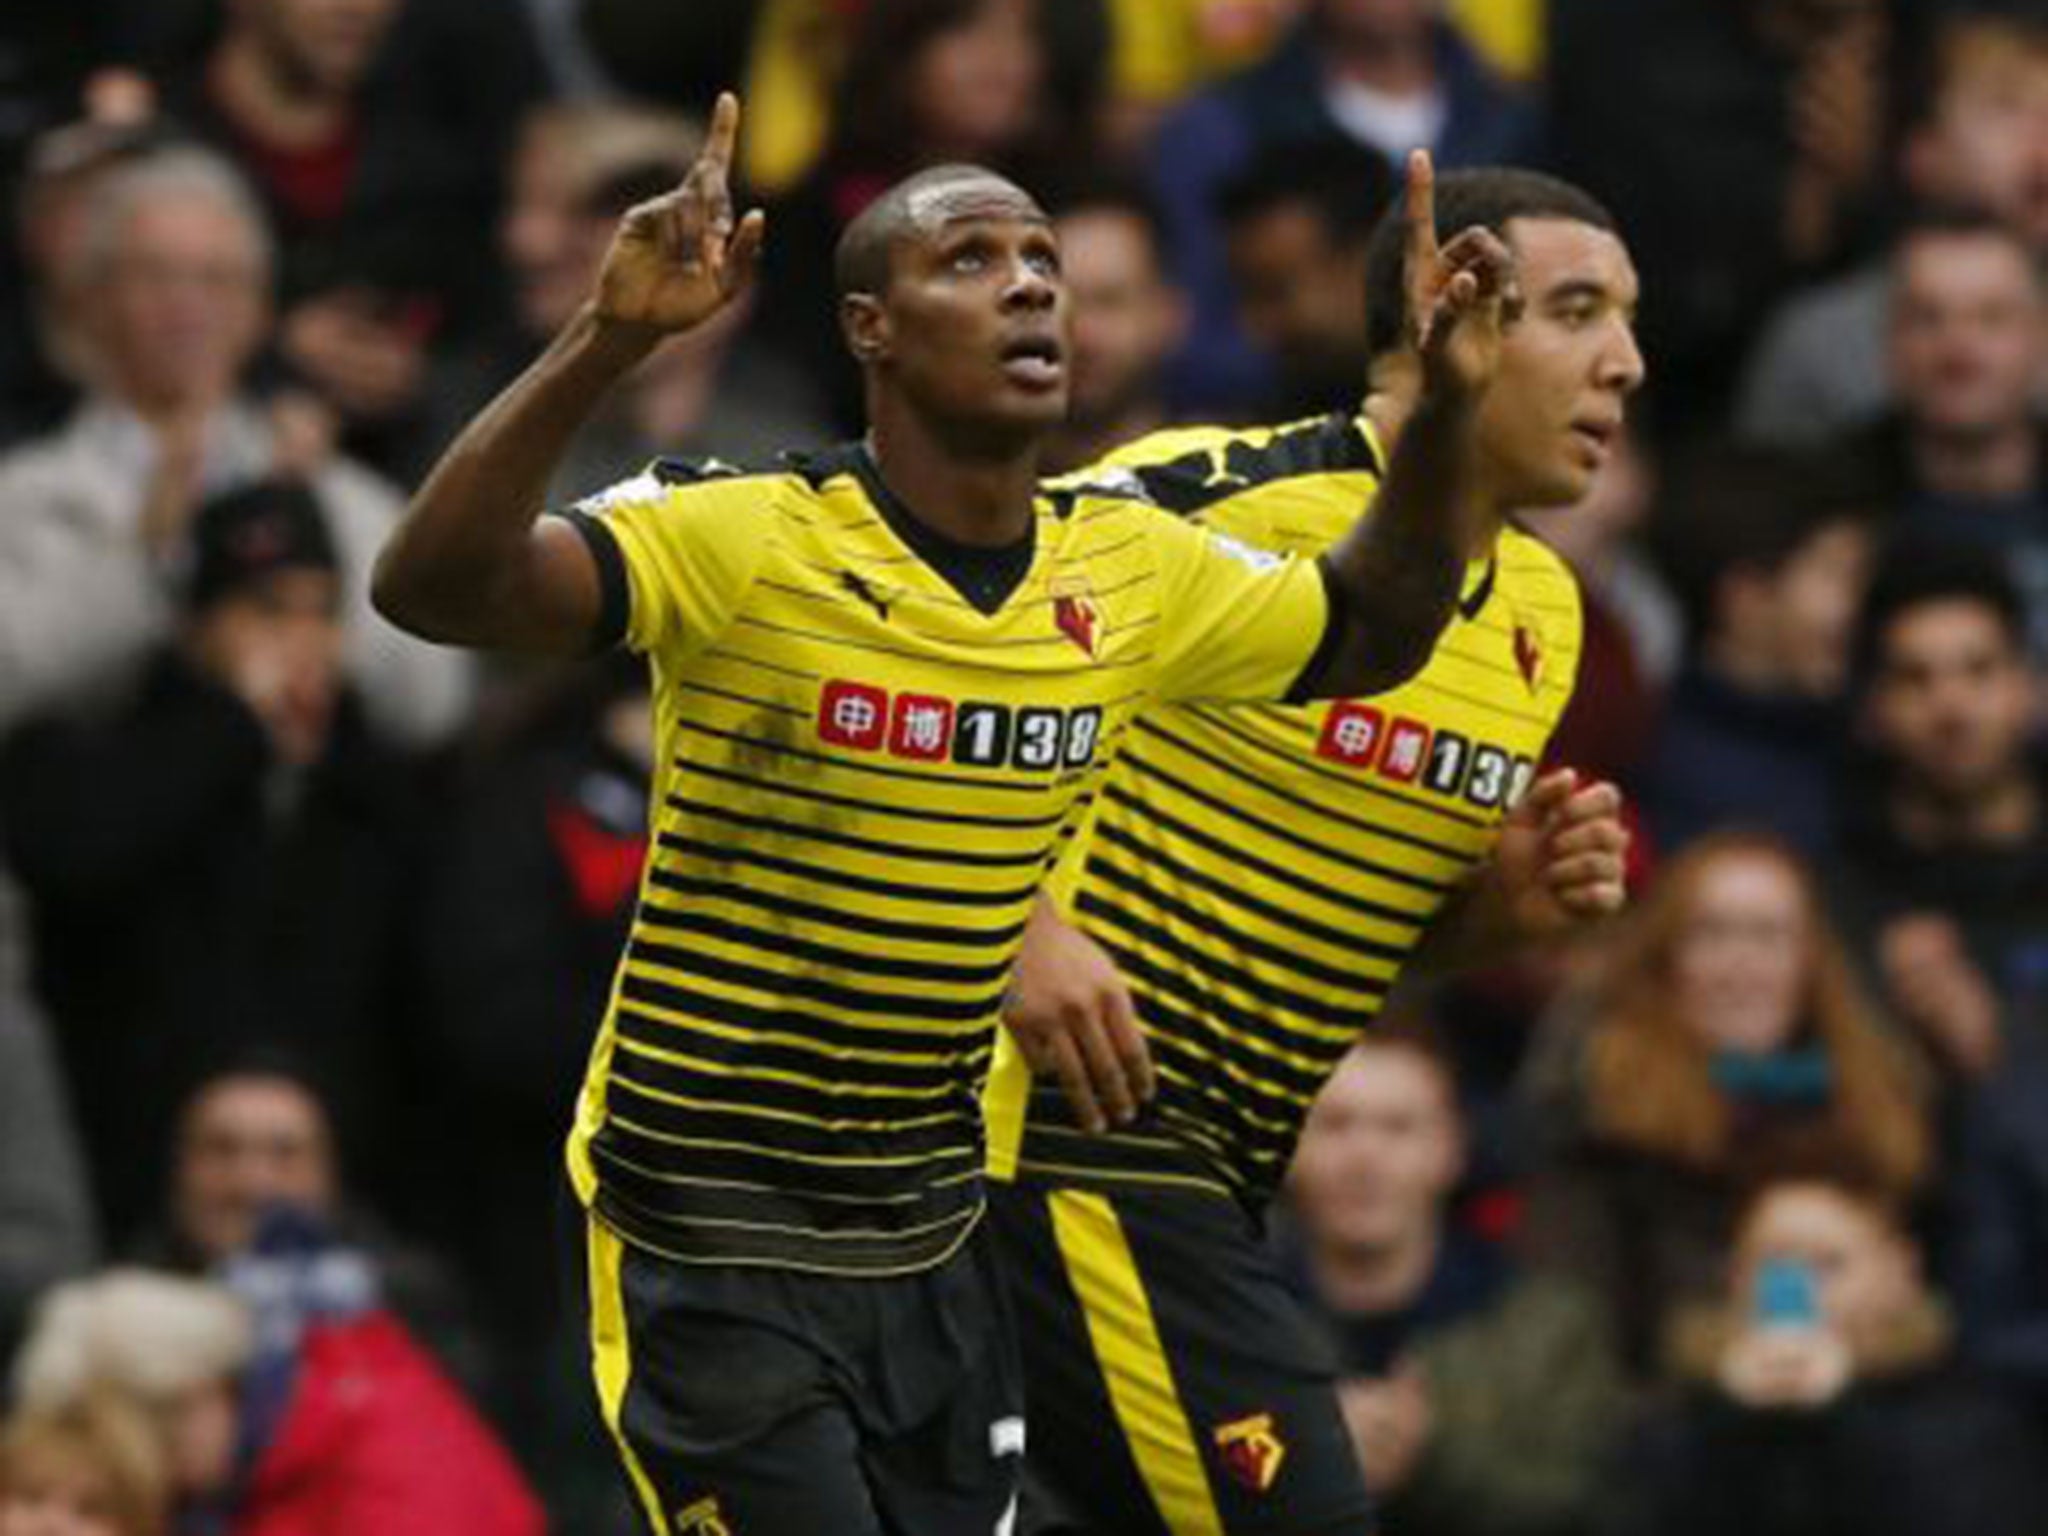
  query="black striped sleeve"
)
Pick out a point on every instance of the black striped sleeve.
point(613, 598)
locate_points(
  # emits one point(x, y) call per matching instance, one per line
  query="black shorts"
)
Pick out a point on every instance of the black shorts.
point(763, 1402)
point(1175, 1385)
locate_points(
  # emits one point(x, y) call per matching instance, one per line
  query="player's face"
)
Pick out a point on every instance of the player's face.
point(1952, 702)
point(1969, 333)
point(1555, 410)
point(1127, 319)
point(973, 327)
point(1739, 969)
point(1379, 1153)
point(249, 1144)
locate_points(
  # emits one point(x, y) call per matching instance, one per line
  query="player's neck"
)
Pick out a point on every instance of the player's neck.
point(1386, 409)
point(1371, 1280)
point(969, 495)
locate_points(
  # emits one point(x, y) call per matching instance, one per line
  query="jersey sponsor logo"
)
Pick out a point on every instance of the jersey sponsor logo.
point(928, 728)
point(853, 715)
point(1252, 1451)
point(702, 1518)
point(1410, 751)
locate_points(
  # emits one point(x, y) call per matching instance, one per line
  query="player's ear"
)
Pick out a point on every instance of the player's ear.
point(865, 324)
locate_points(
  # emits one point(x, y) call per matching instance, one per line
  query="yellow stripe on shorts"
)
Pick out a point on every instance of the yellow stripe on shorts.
point(611, 1359)
point(1134, 1366)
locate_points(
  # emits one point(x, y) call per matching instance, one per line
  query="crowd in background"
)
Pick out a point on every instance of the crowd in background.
point(305, 927)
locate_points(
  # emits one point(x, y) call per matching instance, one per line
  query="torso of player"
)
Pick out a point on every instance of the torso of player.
point(862, 780)
point(1260, 873)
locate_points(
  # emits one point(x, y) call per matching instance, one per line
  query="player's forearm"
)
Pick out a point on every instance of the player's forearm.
point(1399, 570)
point(455, 567)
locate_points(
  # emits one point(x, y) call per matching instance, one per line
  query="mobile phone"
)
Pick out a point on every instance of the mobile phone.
point(1785, 1294)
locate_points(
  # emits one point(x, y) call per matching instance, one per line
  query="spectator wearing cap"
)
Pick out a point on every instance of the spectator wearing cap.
point(172, 298)
point(223, 861)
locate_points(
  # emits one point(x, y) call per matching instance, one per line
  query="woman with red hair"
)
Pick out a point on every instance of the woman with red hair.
point(1725, 1043)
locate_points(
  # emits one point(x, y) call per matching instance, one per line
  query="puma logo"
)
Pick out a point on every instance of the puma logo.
point(857, 585)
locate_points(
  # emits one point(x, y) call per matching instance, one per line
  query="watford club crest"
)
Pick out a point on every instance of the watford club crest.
point(1528, 654)
point(1251, 1450)
point(1074, 615)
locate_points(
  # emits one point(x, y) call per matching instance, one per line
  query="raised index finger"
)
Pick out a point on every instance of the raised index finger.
point(723, 134)
point(1421, 210)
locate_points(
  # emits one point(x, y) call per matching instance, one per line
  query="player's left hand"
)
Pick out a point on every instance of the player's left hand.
point(1461, 296)
point(1561, 860)
point(1070, 1013)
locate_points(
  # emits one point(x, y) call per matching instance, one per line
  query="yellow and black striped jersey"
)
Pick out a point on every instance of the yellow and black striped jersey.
point(871, 746)
point(1261, 873)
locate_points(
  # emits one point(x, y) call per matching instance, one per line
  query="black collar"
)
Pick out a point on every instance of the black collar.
point(984, 574)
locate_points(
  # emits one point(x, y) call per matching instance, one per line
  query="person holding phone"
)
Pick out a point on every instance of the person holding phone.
point(1828, 1396)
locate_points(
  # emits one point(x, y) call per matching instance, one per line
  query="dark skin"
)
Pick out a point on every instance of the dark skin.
point(959, 413)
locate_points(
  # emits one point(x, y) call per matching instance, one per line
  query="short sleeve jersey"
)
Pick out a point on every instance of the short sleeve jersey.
point(1261, 874)
point(865, 767)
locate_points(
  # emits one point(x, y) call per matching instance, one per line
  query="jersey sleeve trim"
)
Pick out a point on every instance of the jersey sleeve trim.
point(1337, 610)
point(614, 599)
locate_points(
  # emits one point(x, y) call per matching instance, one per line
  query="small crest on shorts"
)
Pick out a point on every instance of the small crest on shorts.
point(702, 1518)
point(1252, 1450)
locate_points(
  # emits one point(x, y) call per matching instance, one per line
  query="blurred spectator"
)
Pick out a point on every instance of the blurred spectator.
point(93, 1469)
point(1942, 869)
point(1296, 221)
point(46, 1226)
point(374, 131)
point(1630, 631)
point(1741, 146)
point(1008, 84)
point(41, 371)
point(1127, 319)
point(1964, 456)
point(682, 55)
point(710, 392)
point(1977, 138)
point(1481, 1400)
point(1390, 75)
point(175, 1348)
point(172, 284)
point(537, 874)
point(1601, 538)
point(1830, 1399)
point(1725, 1039)
point(1165, 49)
point(294, 1408)
point(226, 860)
point(1998, 1260)
point(255, 1139)
point(1772, 561)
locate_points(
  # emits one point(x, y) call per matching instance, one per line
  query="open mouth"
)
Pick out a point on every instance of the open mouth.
point(1034, 360)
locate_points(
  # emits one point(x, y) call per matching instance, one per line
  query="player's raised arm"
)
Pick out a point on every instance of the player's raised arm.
point(1396, 574)
point(471, 563)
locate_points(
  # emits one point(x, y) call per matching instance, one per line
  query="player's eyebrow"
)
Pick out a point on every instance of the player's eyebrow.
point(1572, 289)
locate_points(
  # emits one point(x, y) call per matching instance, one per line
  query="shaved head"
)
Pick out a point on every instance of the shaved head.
point(921, 205)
